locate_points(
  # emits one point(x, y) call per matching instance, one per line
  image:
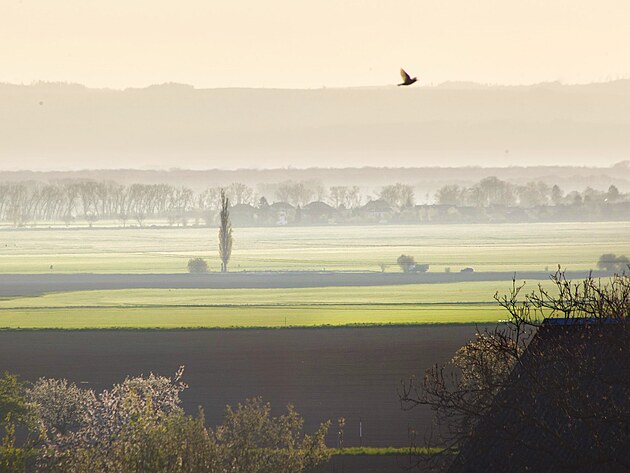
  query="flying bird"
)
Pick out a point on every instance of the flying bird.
point(407, 79)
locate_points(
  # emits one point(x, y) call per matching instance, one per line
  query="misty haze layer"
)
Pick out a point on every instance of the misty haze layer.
point(57, 126)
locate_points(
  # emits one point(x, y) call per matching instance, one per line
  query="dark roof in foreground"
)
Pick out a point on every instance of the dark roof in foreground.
point(566, 407)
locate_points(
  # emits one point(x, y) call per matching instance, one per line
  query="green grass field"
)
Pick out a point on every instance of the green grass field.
point(246, 317)
point(505, 247)
point(464, 292)
point(157, 250)
point(470, 302)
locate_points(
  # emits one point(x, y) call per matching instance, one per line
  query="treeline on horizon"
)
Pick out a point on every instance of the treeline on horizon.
point(70, 201)
point(492, 191)
point(423, 178)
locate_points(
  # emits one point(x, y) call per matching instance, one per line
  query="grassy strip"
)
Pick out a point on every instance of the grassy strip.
point(377, 451)
point(212, 329)
point(247, 317)
point(471, 292)
point(370, 306)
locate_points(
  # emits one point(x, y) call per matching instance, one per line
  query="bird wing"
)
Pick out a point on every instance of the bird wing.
point(404, 75)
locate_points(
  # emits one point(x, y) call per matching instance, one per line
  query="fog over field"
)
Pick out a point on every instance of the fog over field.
point(425, 180)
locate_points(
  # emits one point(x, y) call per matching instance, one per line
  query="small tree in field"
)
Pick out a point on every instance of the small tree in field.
point(197, 265)
point(225, 232)
point(407, 263)
point(612, 262)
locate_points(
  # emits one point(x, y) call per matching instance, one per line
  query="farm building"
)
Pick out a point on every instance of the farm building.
point(319, 212)
point(377, 211)
point(283, 213)
point(566, 406)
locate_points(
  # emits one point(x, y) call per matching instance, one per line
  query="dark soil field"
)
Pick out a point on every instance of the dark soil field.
point(325, 373)
point(35, 284)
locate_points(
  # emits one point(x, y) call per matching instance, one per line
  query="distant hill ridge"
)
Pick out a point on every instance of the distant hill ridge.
point(424, 179)
point(69, 126)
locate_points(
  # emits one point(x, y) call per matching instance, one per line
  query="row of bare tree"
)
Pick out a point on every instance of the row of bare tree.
point(29, 201)
point(492, 191)
point(24, 202)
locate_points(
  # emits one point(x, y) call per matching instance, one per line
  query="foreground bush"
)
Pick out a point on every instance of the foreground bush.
point(16, 414)
point(251, 440)
point(148, 442)
point(139, 426)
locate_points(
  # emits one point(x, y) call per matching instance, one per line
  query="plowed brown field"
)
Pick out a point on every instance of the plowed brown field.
point(325, 373)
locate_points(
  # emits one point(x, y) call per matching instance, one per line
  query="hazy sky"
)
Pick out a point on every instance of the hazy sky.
point(306, 44)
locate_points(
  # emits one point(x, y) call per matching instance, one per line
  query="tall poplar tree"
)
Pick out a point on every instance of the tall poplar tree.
point(225, 232)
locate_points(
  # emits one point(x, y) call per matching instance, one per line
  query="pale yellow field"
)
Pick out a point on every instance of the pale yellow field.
point(505, 247)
